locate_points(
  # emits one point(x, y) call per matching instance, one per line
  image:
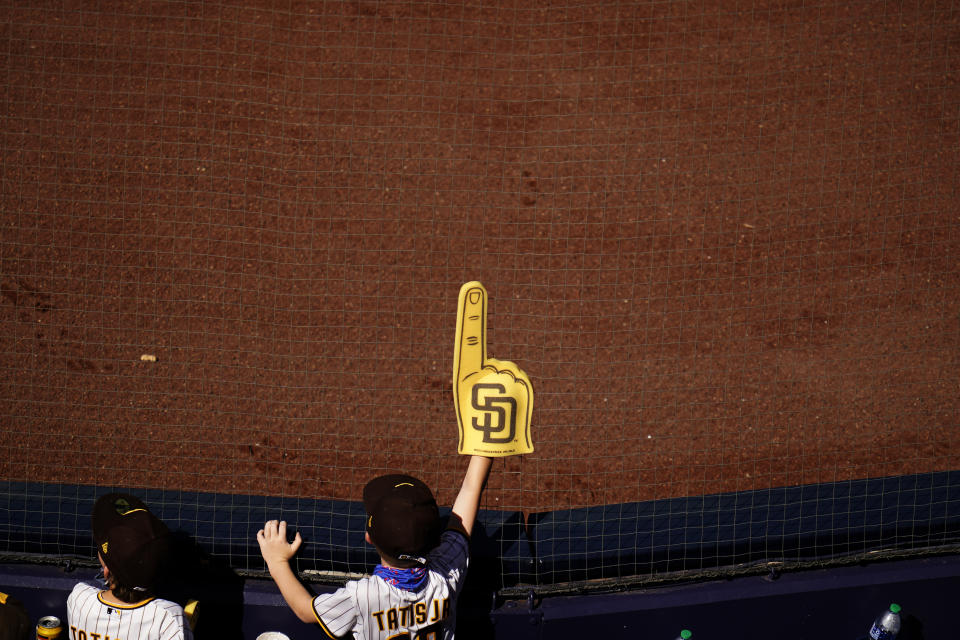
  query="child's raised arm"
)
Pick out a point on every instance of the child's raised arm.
point(467, 504)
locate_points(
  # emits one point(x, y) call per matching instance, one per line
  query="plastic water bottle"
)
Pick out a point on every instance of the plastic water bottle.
point(684, 635)
point(887, 624)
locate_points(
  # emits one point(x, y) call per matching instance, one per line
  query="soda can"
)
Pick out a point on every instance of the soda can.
point(49, 628)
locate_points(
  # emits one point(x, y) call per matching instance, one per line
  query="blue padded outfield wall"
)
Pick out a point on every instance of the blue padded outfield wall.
point(525, 573)
point(793, 524)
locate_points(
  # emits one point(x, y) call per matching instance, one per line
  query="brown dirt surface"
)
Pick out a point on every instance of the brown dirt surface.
point(721, 238)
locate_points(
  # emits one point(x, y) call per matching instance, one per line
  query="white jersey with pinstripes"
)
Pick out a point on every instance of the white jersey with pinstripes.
point(371, 609)
point(89, 617)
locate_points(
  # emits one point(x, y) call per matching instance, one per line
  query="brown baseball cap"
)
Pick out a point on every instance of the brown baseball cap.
point(402, 517)
point(132, 541)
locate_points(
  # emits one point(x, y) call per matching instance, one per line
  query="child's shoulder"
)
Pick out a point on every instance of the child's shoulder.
point(85, 587)
point(170, 605)
point(84, 594)
point(452, 537)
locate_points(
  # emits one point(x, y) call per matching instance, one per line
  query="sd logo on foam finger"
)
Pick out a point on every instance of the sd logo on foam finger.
point(493, 398)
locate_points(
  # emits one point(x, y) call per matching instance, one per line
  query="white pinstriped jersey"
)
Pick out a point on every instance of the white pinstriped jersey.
point(89, 617)
point(371, 609)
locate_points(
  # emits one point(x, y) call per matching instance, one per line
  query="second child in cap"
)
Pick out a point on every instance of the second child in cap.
point(132, 546)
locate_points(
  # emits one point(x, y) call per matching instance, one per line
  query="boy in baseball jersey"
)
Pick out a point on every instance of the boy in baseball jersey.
point(412, 593)
point(131, 545)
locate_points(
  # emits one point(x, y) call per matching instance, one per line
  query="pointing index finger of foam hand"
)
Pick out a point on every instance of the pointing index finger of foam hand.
point(470, 349)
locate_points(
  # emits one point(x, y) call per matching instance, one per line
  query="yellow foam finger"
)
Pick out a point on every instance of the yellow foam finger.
point(493, 399)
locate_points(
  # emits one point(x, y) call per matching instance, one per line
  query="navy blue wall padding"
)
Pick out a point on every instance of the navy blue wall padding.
point(798, 524)
point(803, 523)
point(55, 519)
